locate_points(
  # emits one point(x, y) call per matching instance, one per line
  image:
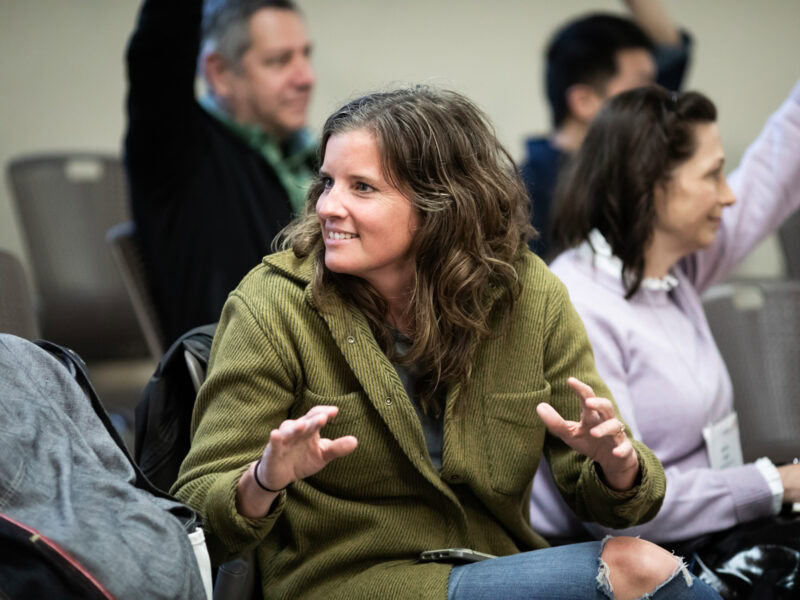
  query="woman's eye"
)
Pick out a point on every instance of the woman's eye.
point(364, 187)
point(327, 182)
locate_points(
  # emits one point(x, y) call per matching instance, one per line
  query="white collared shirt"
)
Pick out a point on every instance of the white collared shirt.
point(600, 251)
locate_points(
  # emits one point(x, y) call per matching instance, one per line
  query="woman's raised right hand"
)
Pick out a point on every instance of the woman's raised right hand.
point(295, 450)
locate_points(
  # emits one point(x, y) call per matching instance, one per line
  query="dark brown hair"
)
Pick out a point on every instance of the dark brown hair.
point(440, 150)
point(632, 146)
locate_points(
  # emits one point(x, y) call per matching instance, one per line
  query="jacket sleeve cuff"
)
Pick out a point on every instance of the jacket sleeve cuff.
point(630, 507)
point(235, 531)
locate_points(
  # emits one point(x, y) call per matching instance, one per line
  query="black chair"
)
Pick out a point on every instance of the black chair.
point(789, 236)
point(66, 203)
point(757, 327)
point(128, 256)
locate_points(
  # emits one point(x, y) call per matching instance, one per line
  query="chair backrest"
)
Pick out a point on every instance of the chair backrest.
point(17, 314)
point(236, 579)
point(197, 371)
point(127, 254)
point(66, 203)
point(789, 236)
point(756, 325)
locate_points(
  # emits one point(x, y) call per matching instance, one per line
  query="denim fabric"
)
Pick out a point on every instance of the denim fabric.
point(63, 475)
point(560, 573)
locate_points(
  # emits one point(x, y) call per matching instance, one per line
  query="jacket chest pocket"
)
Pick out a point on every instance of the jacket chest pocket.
point(370, 462)
point(514, 441)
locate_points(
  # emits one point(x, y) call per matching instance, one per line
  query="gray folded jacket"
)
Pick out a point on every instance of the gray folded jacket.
point(62, 474)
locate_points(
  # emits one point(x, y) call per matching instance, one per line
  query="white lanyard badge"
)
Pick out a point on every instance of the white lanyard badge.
point(722, 443)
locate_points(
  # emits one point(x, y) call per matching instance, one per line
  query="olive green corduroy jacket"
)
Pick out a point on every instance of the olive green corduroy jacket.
point(355, 529)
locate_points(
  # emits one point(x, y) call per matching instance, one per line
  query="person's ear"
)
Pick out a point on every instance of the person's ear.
point(218, 74)
point(661, 194)
point(583, 102)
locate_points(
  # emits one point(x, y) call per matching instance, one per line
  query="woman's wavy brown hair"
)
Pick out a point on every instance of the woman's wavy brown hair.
point(440, 150)
point(632, 146)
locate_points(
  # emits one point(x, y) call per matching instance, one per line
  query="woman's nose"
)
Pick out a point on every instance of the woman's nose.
point(329, 204)
point(728, 197)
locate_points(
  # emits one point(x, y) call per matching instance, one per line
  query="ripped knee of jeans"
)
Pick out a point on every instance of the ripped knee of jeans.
point(604, 572)
point(604, 575)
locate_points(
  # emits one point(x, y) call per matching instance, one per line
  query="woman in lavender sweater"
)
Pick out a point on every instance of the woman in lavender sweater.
point(649, 222)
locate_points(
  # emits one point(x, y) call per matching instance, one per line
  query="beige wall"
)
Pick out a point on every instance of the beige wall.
point(62, 76)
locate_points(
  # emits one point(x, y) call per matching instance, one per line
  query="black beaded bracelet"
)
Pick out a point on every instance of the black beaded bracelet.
point(261, 485)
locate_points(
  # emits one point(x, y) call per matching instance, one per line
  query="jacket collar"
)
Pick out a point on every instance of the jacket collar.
point(353, 336)
point(286, 263)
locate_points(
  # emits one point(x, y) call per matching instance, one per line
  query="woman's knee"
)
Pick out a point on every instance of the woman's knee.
point(635, 567)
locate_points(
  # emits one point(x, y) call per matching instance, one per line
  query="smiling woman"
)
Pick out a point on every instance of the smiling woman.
point(648, 222)
point(689, 203)
point(408, 307)
point(368, 225)
point(467, 214)
point(651, 175)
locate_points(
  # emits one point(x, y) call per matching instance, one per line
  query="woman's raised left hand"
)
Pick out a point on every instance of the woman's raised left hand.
point(598, 435)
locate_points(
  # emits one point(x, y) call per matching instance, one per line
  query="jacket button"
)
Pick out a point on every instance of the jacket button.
point(388, 402)
point(351, 339)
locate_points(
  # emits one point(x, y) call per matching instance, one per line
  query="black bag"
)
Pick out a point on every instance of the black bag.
point(164, 413)
point(32, 566)
point(163, 422)
point(759, 560)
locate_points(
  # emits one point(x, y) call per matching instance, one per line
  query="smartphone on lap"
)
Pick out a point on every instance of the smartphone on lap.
point(463, 555)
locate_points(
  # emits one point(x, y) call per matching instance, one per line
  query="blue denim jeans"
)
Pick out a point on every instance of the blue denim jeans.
point(563, 572)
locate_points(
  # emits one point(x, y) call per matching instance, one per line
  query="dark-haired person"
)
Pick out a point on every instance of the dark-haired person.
point(382, 387)
point(589, 60)
point(213, 180)
point(649, 222)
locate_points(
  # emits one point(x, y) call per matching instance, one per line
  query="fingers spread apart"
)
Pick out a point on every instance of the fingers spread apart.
point(337, 448)
point(552, 420)
point(580, 388)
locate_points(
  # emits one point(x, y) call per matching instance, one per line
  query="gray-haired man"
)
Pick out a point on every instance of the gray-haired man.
point(214, 179)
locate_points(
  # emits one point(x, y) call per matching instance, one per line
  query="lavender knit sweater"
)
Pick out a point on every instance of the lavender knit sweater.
point(656, 353)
